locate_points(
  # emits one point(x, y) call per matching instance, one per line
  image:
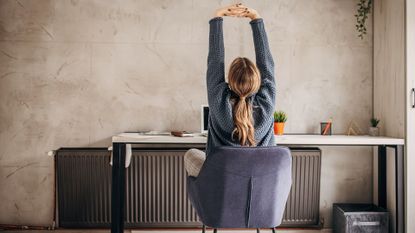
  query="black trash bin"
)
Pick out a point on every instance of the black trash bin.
point(359, 218)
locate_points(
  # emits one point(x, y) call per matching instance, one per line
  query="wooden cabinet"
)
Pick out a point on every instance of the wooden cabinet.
point(394, 80)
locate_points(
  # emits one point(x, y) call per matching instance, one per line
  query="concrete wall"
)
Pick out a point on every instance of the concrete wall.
point(73, 73)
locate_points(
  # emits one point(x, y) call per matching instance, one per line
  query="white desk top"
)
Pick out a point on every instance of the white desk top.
point(293, 139)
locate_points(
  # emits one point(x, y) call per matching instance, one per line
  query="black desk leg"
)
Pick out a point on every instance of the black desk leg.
point(399, 189)
point(118, 188)
point(382, 177)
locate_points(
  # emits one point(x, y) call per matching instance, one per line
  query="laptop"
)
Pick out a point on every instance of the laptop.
point(204, 119)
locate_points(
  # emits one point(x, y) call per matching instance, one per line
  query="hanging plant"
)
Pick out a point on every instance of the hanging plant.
point(364, 7)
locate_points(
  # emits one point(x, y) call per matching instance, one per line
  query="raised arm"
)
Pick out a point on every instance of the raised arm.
point(216, 65)
point(265, 98)
point(264, 60)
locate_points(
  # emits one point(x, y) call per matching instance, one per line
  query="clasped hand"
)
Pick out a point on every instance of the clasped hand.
point(237, 10)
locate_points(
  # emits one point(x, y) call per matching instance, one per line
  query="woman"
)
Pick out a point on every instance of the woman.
point(241, 111)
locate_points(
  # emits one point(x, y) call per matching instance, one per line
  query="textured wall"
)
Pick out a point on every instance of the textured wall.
point(73, 73)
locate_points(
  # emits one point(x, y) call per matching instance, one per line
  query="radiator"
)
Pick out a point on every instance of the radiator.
point(156, 189)
point(302, 208)
point(83, 188)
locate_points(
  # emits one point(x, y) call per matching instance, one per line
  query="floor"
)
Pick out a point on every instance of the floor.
point(172, 231)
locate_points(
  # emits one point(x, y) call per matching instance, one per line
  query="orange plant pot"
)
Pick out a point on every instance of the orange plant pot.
point(279, 128)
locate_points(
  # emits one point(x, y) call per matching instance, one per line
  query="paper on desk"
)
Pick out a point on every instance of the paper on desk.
point(155, 132)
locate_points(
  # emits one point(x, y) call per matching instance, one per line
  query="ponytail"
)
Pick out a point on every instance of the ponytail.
point(243, 120)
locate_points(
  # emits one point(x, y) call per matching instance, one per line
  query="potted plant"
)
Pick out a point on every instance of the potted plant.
point(374, 130)
point(279, 121)
point(364, 8)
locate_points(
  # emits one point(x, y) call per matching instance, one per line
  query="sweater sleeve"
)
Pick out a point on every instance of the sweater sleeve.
point(220, 109)
point(216, 56)
point(265, 98)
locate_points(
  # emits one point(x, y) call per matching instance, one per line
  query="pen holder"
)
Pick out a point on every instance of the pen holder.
point(325, 128)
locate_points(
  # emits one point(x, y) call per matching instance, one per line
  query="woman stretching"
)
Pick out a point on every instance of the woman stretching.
point(241, 111)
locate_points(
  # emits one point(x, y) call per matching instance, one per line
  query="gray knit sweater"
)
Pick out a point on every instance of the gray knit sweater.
point(221, 123)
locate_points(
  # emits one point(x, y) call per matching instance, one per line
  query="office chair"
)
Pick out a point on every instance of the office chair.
point(242, 187)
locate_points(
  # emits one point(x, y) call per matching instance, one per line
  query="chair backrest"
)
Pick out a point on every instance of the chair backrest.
point(243, 187)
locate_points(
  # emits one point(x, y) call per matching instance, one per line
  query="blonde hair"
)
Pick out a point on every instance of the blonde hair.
point(244, 80)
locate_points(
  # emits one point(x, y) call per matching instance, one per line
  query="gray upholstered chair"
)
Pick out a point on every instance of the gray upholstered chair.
point(242, 187)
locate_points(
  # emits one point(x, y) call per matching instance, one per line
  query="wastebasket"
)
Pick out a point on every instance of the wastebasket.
point(359, 218)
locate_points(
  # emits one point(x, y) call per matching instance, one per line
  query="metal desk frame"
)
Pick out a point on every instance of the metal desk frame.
point(119, 188)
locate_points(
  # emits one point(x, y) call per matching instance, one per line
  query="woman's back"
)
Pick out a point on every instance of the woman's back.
point(220, 96)
point(243, 115)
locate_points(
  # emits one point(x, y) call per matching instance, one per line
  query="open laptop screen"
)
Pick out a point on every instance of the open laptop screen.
point(204, 118)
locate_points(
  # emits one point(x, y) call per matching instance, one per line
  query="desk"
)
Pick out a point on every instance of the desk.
point(119, 151)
